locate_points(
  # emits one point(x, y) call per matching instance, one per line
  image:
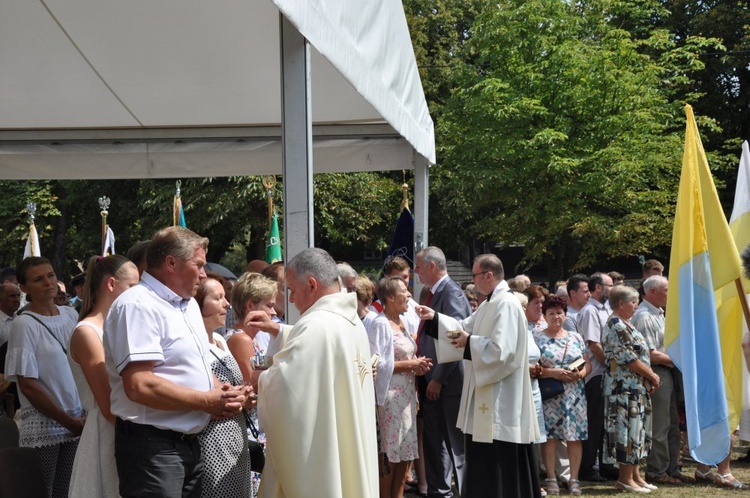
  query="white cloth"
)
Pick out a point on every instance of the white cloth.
point(368, 319)
point(496, 402)
point(534, 354)
point(590, 325)
point(34, 353)
point(380, 335)
point(94, 469)
point(317, 406)
point(149, 322)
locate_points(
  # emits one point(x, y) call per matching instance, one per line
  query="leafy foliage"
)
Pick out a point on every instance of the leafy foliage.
point(569, 130)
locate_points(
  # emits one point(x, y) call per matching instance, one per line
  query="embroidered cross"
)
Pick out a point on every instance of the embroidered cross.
point(484, 408)
point(362, 368)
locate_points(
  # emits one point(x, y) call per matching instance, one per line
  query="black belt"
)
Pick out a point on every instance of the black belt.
point(133, 429)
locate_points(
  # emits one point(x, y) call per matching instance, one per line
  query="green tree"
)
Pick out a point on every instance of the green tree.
point(566, 130)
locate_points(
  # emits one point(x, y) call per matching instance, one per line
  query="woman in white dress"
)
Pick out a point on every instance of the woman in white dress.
point(94, 470)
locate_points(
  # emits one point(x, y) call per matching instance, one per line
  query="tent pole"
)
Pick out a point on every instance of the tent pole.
point(296, 142)
point(421, 208)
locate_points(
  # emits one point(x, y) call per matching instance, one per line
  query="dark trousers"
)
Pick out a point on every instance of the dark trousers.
point(154, 462)
point(500, 469)
point(595, 412)
point(443, 444)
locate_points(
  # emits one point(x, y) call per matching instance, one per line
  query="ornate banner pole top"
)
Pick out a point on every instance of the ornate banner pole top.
point(269, 182)
point(31, 211)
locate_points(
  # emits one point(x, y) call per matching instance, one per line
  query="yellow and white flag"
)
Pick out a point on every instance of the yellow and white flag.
point(32, 243)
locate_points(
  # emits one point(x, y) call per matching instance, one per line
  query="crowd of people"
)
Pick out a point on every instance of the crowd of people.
point(160, 379)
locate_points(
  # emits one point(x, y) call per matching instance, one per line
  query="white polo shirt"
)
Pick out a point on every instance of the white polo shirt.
point(149, 322)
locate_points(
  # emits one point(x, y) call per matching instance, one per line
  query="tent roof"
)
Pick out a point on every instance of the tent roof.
point(150, 88)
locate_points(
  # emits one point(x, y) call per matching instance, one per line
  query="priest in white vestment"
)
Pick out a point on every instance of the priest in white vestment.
point(497, 408)
point(316, 402)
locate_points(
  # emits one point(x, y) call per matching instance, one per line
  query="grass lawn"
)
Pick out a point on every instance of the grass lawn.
point(740, 470)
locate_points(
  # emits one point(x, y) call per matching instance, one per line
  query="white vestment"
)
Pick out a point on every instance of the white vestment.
point(316, 404)
point(496, 401)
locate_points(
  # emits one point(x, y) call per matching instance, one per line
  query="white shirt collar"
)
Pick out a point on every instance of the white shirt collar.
point(4, 317)
point(163, 291)
point(439, 284)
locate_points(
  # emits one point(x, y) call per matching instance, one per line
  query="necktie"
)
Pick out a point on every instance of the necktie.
point(427, 302)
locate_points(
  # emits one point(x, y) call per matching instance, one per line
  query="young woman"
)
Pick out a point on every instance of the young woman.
point(51, 414)
point(94, 470)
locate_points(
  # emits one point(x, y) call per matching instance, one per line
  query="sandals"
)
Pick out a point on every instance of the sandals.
point(574, 486)
point(707, 476)
point(729, 481)
point(553, 488)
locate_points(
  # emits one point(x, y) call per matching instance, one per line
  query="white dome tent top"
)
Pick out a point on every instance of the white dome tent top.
point(110, 89)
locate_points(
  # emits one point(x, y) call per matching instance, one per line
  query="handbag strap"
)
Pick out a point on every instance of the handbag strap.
point(565, 352)
point(48, 330)
point(248, 420)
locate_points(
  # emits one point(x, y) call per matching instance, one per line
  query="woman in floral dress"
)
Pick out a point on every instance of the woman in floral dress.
point(397, 416)
point(564, 414)
point(628, 383)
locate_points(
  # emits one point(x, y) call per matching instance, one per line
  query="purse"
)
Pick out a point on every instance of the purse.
point(550, 387)
point(256, 448)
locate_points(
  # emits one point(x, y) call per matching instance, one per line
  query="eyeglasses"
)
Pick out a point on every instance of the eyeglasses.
point(475, 275)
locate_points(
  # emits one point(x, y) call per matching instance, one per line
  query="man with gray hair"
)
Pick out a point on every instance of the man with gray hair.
point(440, 389)
point(317, 401)
point(158, 360)
point(348, 276)
point(662, 465)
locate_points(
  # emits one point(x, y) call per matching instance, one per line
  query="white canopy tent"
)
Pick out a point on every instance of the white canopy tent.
point(176, 88)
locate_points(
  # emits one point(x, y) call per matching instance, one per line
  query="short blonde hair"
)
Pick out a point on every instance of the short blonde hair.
point(251, 288)
point(364, 290)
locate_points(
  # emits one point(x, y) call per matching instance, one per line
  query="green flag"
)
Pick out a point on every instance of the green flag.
point(273, 246)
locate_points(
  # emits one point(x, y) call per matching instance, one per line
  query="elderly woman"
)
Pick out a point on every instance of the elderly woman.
point(565, 413)
point(223, 441)
point(536, 294)
point(51, 414)
point(397, 415)
point(628, 383)
point(365, 295)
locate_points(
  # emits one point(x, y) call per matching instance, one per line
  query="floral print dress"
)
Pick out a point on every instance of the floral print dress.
point(627, 404)
point(564, 415)
point(398, 415)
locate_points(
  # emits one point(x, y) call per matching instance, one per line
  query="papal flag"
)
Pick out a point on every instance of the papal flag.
point(703, 327)
point(32, 243)
point(273, 246)
point(739, 224)
point(109, 243)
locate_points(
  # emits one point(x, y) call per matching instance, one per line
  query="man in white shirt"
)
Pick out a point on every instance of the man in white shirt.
point(157, 358)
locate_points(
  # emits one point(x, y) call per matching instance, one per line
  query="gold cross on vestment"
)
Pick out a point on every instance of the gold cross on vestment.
point(484, 408)
point(362, 368)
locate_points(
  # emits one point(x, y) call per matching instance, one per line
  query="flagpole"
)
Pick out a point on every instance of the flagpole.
point(743, 300)
point(104, 205)
point(269, 182)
